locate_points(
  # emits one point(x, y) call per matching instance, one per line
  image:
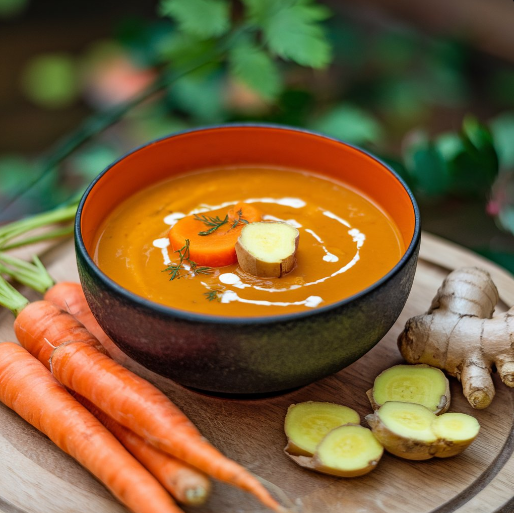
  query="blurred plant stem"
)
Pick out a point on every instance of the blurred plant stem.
point(99, 122)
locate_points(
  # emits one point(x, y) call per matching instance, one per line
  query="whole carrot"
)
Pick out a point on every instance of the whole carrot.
point(134, 397)
point(69, 296)
point(41, 326)
point(145, 410)
point(32, 392)
point(186, 484)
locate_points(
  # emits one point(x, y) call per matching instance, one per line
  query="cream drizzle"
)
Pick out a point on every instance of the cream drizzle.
point(229, 296)
point(163, 244)
point(329, 257)
point(292, 222)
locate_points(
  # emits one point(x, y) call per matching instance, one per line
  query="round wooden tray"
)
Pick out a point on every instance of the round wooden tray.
point(36, 477)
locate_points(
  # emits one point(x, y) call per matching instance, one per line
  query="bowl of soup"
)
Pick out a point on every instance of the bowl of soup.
point(181, 306)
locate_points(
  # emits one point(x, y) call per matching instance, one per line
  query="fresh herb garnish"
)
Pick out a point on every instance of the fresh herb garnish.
point(239, 220)
point(214, 294)
point(174, 270)
point(199, 270)
point(217, 222)
point(213, 222)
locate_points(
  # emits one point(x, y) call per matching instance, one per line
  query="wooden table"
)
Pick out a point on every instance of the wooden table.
point(36, 477)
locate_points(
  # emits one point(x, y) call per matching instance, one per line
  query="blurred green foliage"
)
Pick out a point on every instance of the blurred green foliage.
point(392, 90)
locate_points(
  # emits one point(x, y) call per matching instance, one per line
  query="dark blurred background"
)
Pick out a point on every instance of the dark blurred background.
point(427, 86)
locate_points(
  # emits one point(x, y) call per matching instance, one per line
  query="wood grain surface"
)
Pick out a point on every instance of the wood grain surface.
point(36, 477)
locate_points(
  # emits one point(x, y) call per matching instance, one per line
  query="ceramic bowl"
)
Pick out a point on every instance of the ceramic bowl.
point(257, 355)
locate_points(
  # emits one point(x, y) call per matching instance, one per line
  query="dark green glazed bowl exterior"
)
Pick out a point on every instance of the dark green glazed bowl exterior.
point(245, 355)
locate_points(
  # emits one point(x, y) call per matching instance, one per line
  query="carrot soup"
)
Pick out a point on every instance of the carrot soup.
point(346, 241)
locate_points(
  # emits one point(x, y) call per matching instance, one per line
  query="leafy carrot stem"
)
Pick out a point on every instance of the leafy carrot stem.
point(17, 228)
point(52, 234)
point(33, 275)
point(10, 298)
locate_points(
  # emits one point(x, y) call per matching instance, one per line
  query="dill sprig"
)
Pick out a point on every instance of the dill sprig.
point(213, 295)
point(239, 219)
point(199, 270)
point(217, 222)
point(174, 270)
point(213, 222)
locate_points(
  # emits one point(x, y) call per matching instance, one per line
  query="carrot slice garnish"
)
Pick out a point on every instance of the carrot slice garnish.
point(213, 235)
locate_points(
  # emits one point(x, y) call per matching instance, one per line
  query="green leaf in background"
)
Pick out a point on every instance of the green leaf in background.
point(350, 124)
point(444, 85)
point(426, 166)
point(294, 107)
point(51, 80)
point(481, 151)
point(293, 33)
point(256, 69)
point(14, 170)
point(502, 258)
point(395, 50)
point(348, 43)
point(12, 8)
point(502, 128)
point(94, 159)
point(501, 87)
point(183, 49)
point(201, 18)
point(471, 159)
point(258, 12)
point(202, 97)
point(400, 100)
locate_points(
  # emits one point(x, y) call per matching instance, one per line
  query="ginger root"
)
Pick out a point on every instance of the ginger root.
point(419, 384)
point(460, 335)
point(413, 432)
point(307, 423)
point(346, 451)
point(327, 438)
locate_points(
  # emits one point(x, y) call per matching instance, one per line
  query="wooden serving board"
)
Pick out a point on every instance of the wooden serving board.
point(36, 477)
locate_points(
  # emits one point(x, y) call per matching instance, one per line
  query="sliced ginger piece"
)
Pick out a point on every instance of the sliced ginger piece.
point(405, 430)
point(413, 432)
point(346, 451)
point(456, 432)
point(307, 423)
point(420, 384)
point(267, 249)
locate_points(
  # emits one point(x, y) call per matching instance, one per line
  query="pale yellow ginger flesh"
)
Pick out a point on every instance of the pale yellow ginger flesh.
point(419, 384)
point(457, 427)
point(413, 421)
point(413, 432)
point(456, 431)
point(346, 451)
point(267, 249)
point(460, 335)
point(307, 423)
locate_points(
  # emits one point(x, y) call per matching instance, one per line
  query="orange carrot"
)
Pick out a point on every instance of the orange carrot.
point(185, 483)
point(41, 326)
point(217, 248)
point(145, 410)
point(69, 296)
point(32, 392)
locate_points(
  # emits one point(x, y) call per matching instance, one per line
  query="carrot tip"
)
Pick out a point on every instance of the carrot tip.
point(196, 496)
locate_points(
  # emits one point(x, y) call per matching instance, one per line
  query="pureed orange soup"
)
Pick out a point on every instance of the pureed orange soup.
point(346, 242)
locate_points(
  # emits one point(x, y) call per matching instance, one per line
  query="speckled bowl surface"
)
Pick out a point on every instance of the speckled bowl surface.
point(258, 355)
